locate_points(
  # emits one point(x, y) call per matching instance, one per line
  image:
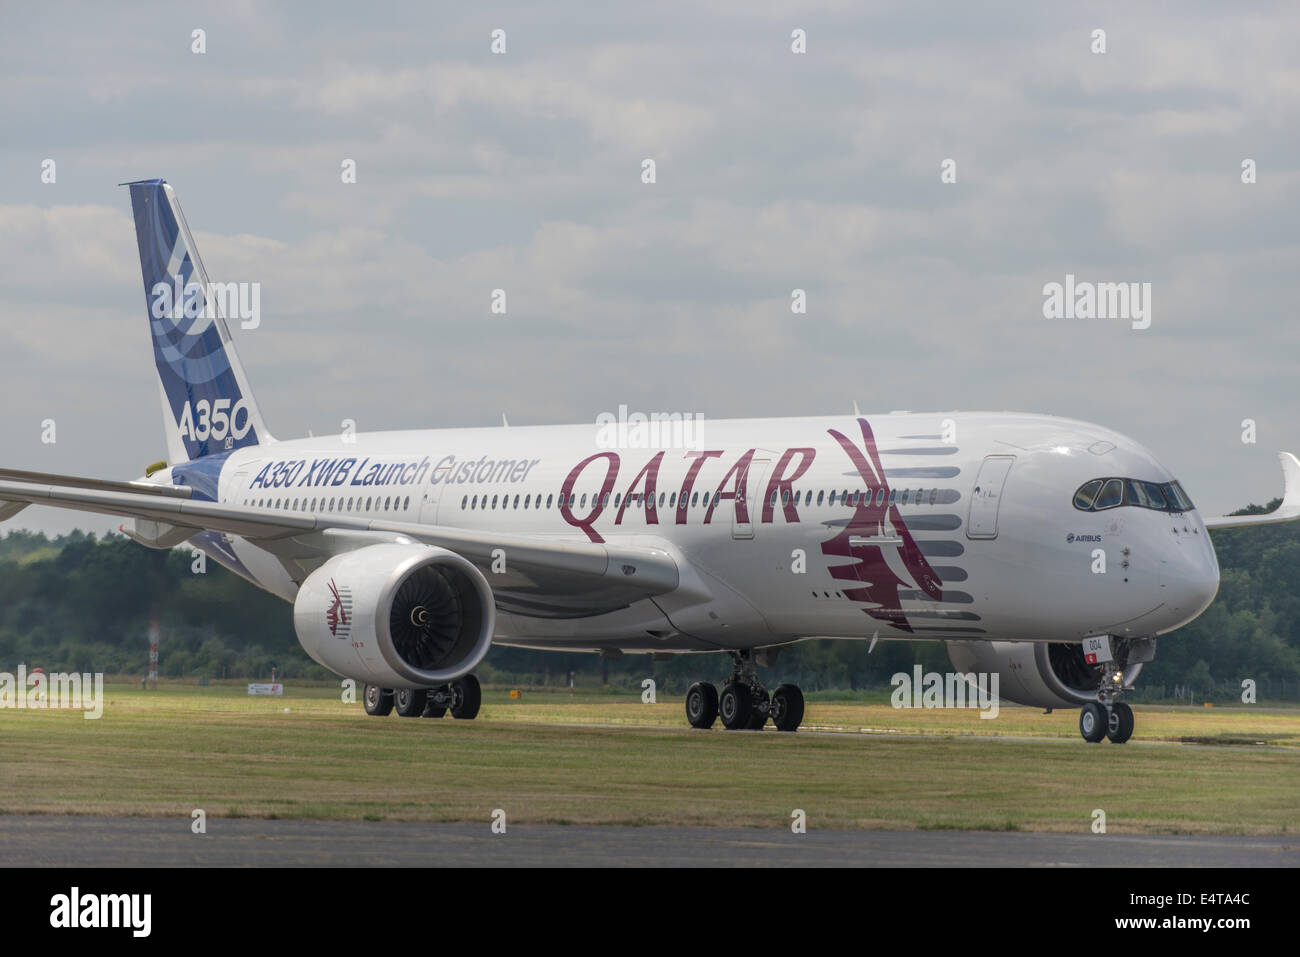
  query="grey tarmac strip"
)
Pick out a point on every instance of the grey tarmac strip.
point(58, 841)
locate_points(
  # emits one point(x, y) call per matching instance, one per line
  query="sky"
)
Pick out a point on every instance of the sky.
point(774, 170)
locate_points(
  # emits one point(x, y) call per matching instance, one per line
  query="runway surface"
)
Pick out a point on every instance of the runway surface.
point(165, 842)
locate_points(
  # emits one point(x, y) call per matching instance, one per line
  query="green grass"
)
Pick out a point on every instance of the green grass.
point(596, 758)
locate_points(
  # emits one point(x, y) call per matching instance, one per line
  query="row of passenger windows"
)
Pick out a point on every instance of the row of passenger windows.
point(850, 497)
point(338, 504)
point(1099, 494)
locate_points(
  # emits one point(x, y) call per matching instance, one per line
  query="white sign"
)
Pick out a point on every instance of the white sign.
point(266, 689)
point(1096, 650)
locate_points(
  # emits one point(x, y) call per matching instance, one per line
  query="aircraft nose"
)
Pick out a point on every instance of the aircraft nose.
point(1192, 576)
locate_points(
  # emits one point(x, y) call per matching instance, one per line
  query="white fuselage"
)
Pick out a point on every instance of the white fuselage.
point(970, 532)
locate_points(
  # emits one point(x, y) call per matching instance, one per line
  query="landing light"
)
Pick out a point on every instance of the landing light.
point(1062, 450)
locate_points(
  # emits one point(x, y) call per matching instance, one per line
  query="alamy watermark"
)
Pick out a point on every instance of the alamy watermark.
point(1073, 299)
point(230, 300)
point(54, 691)
point(640, 430)
point(952, 690)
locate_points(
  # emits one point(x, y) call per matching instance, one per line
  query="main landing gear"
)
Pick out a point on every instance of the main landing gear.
point(461, 697)
point(744, 702)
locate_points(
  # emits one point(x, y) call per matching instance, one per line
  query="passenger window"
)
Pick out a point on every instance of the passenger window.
point(1087, 494)
point(880, 495)
point(819, 497)
point(934, 495)
point(1111, 494)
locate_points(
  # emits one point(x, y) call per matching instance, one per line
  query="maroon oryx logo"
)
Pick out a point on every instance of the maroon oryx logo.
point(878, 585)
point(337, 615)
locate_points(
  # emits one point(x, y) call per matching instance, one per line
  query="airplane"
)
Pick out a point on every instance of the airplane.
point(1048, 551)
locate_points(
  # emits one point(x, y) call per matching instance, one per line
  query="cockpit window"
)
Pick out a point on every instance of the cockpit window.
point(1155, 497)
point(1098, 494)
point(1087, 493)
point(1112, 494)
point(1179, 498)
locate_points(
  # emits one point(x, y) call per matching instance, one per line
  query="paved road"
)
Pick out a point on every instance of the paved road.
point(111, 842)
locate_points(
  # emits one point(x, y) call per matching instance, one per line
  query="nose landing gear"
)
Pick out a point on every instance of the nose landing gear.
point(1107, 717)
point(1113, 720)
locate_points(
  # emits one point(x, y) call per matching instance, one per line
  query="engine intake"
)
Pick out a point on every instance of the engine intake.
point(396, 615)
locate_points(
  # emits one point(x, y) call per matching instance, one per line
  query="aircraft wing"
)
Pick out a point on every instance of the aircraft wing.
point(552, 575)
point(1288, 511)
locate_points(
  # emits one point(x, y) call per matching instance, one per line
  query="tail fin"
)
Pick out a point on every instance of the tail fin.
point(207, 404)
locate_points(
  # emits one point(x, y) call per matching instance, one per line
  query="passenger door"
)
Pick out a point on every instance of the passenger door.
point(986, 497)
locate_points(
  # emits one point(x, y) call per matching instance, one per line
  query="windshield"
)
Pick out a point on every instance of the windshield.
point(1096, 495)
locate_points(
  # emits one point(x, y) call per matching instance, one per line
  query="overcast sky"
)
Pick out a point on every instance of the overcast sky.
point(775, 171)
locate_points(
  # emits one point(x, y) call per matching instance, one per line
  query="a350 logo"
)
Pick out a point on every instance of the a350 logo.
point(218, 420)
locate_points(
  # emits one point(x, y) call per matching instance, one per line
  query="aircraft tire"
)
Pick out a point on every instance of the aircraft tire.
point(701, 705)
point(378, 701)
point(1093, 722)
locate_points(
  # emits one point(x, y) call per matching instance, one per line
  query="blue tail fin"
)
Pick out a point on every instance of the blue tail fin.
point(207, 404)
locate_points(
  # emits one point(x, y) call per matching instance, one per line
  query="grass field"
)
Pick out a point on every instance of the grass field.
point(603, 758)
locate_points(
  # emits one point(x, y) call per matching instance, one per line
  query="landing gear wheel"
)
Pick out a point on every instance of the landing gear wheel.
point(378, 701)
point(466, 697)
point(1093, 722)
point(432, 709)
point(735, 707)
point(701, 705)
point(787, 708)
point(410, 702)
point(1120, 726)
point(760, 705)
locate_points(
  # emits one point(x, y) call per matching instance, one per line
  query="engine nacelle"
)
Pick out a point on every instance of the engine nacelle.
point(1038, 673)
point(396, 615)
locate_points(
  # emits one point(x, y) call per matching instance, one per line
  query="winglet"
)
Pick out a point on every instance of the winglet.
point(1288, 511)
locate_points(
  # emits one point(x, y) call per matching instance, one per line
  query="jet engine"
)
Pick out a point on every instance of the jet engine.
point(396, 615)
point(1042, 674)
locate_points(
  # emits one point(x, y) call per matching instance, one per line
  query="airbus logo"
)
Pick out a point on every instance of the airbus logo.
point(1072, 538)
